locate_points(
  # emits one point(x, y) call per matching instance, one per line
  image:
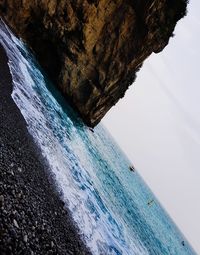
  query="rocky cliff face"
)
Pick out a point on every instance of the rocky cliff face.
point(92, 48)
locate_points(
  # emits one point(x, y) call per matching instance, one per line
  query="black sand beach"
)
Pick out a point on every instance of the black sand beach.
point(32, 217)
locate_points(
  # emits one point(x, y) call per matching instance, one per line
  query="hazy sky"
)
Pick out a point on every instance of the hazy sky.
point(157, 124)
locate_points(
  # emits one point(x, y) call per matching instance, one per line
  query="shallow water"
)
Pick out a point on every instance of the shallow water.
point(108, 202)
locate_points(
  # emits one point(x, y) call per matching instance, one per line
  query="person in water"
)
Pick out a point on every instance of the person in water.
point(132, 168)
point(150, 202)
point(91, 129)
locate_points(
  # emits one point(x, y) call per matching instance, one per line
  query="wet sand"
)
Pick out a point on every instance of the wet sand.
point(33, 219)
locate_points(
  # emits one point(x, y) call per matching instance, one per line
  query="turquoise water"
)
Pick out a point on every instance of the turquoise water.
point(108, 202)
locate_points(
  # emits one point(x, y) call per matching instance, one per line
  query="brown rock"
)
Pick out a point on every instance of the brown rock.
point(92, 48)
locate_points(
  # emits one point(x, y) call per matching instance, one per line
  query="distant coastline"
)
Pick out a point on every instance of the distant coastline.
point(33, 219)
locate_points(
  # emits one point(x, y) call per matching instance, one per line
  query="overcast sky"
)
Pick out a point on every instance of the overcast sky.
point(157, 124)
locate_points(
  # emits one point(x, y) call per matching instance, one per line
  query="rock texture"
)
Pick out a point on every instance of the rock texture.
point(92, 49)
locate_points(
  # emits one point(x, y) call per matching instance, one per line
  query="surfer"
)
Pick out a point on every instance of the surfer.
point(132, 169)
point(150, 202)
point(91, 129)
point(183, 243)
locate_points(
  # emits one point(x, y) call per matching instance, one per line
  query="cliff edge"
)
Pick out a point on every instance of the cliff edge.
point(92, 49)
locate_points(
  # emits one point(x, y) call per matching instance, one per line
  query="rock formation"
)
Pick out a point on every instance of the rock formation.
point(92, 49)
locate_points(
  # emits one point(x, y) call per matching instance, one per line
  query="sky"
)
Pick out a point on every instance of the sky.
point(157, 124)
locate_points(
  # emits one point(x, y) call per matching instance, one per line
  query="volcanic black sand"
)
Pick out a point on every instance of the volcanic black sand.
point(33, 219)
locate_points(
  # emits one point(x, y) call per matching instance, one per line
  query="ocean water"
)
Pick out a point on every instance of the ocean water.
point(108, 202)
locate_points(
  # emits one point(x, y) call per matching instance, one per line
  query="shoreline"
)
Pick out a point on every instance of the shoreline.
point(33, 218)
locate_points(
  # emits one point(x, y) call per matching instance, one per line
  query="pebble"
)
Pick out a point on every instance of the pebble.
point(13, 232)
point(15, 223)
point(25, 238)
point(2, 199)
point(19, 169)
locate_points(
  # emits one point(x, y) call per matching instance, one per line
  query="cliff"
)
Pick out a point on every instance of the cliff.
point(92, 49)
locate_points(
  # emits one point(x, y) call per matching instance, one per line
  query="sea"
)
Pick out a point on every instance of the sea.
point(115, 211)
